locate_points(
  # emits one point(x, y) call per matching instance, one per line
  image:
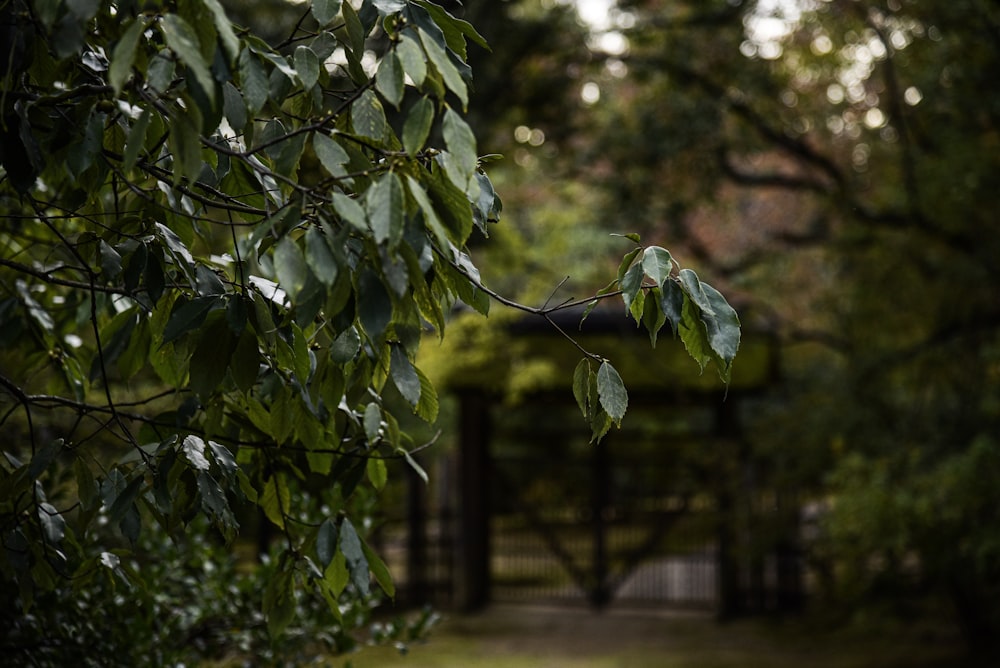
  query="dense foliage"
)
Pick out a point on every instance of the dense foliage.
point(218, 259)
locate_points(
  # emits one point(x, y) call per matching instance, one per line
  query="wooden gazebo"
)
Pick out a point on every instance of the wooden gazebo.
point(512, 383)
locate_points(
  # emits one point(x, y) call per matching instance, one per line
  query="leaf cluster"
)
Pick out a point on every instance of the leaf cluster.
point(656, 292)
point(221, 255)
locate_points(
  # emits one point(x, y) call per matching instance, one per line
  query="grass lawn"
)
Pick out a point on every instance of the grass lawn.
point(523, 637)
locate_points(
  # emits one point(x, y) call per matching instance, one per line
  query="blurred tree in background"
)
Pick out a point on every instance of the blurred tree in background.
point(838, 162)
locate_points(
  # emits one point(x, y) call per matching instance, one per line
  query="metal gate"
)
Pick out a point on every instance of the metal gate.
point(614, 522)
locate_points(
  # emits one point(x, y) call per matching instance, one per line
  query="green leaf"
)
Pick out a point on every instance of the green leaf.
point(52, 523)
point(290, 267)
point(357, 564)
point(600, 425)
point(350, 211)
point(161, 70)
point(325, 11)
point(211, 356)
point(378, 568)
point(276, 59)
point(38, 314)
point(301, 360)
point(581, 385)
point(85, 151)
point(310, 431)
point(626, 263)
point(386, 7)
point(85, 484)
point(404, 375)
point(417, 126)
point(658, 264)
point(123, 55)
point(694, 334)
point(233, 106)
point(653, 317)
point(112, 487)
point(111, 261)
point(255, 87)
point(694, 290)
point(455, 30)
point(453, 206)
point(431, 220)
point(374, 304)
point(452, 78)
point(183, 41)
point(214, 504)
point(631, 284)
point(258, 415)
point(412, 59)
point(185, 145)
point(45, 456)
point(389, 78)
point(384, 203)
point(237, 313)
point(188, 315)
point(224, 28)
point(245, 363)
point(283, 217)
point(723, 330)
point(73, 373)
point(320, 257)
point(344, 348)
point(487, 205)
point(720, 326)
point(377, 473)
point(281, 416)
point(306, 66)
point(355, 30)
point(326, 542)
point(368, 116)
point(466, 284)
point(249, 491)
point(136, 140)
point(271, 138)
point(224, 458)
point(611, 391)
point(460, 141)
point(193, 448)
point(275, 500)
point(207, 282)
point(336, 574)
point(427, 407)
point(331, 155)
point(372, 423)
point(672, 304)
point(124, 501)
point(170, 363)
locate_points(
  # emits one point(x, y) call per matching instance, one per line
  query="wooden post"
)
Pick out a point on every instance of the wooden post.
point(473, 539)
point(728, 562)
point(600, 491)
point(416, 549)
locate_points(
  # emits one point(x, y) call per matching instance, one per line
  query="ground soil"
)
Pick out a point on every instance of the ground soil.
point(560, 637)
